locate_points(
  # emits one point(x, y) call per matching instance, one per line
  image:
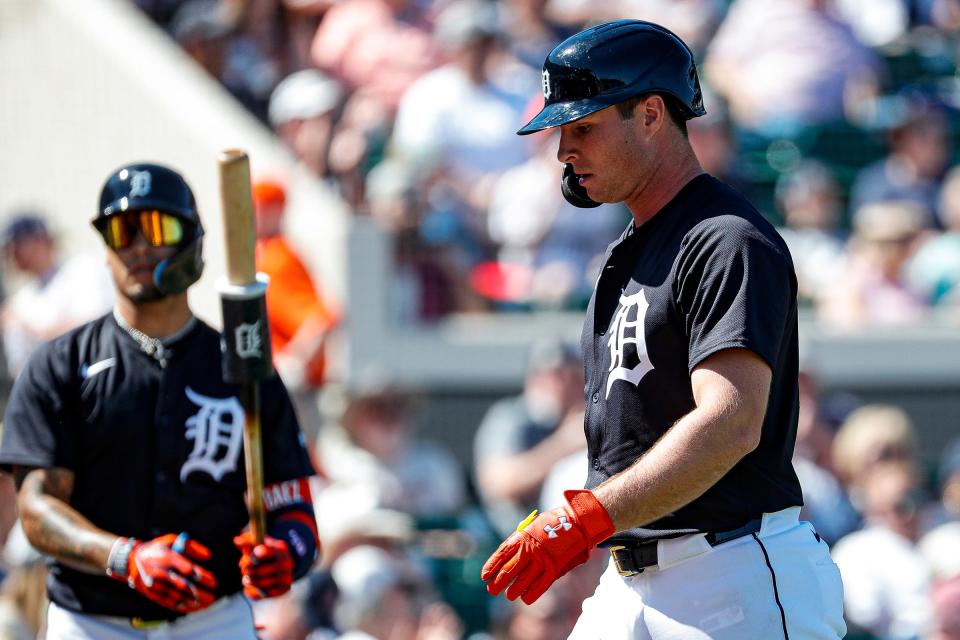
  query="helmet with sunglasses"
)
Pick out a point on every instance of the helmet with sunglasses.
point(156, 201)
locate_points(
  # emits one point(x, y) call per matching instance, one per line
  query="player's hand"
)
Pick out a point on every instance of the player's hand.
point(164, 569)
point(267, 568)
point(546, 546)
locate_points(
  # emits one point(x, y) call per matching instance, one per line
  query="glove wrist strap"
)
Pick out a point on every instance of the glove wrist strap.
point(591, 514)
point(119, 559)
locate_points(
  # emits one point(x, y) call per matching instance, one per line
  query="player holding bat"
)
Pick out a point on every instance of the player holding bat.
point(127, 447)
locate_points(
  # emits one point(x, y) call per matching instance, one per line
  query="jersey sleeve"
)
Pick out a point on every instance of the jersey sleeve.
point(285, 454)
point(734, 289)
point(37, 427)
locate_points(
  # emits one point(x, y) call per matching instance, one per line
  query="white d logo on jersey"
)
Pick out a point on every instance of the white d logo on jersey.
point(634, 306)
point(217, 434)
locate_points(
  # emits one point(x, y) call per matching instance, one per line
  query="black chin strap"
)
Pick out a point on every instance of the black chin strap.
point(573, 191)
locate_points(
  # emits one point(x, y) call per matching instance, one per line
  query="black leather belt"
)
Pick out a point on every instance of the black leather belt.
point(633, 559)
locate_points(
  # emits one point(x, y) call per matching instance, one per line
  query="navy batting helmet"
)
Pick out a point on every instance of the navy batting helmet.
point(152, 187)
point(612, 62)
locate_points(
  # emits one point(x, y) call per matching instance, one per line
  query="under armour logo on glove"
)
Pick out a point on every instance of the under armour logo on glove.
point(563, 524)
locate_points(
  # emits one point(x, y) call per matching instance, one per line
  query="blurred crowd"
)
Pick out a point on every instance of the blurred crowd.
point(837, 121)
point(838, 118)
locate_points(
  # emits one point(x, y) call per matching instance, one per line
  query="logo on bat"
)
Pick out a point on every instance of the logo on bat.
point(247, 340)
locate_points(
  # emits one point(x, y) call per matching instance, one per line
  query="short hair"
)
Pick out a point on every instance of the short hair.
point(868, 431)
point(627, 108)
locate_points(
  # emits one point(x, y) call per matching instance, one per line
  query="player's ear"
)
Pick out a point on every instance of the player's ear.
point(652, 111)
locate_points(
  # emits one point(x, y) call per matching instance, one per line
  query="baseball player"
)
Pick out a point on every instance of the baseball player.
point(690, 349)
point(126, 447)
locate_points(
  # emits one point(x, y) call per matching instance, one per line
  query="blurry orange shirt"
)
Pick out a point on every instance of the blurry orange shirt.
point(292, 298)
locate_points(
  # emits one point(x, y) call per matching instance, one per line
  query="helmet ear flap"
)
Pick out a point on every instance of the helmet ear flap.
point(573, 191)
point(182, 269)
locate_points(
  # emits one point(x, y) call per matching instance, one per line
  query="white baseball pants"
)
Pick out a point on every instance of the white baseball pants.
point(779, 583)
point(227, 619)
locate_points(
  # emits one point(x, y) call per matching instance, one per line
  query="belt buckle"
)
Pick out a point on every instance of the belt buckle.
point(140, 623)
point(626, 573)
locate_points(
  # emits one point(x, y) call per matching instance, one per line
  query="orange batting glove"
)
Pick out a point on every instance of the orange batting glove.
point(267, 568)
point(546, 546)
point(165, 571)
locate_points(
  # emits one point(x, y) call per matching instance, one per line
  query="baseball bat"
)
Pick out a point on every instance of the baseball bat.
point(240, 235)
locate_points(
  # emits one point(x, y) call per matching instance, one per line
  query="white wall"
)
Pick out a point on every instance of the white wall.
point(89, 85)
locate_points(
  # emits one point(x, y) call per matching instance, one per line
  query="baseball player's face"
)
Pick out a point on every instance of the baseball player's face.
point(133, 266)
point(612, 155)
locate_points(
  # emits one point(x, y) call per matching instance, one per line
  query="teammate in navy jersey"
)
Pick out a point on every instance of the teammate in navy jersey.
point(127, 447)
point(690, 352)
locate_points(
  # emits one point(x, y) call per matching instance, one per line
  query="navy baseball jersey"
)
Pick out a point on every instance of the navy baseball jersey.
point(154, 449)
point(706, 273)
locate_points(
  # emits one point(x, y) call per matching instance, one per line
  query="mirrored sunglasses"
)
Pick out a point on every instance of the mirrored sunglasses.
point(160, 229)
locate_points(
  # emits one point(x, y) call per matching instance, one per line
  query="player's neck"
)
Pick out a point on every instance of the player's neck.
point(664, 183)
point(156, 318)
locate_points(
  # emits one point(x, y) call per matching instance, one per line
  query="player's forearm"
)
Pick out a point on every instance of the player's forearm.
point(689, 459)
point(54, 528)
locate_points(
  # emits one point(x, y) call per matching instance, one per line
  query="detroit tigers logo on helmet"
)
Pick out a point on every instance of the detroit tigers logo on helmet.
point(140, 183)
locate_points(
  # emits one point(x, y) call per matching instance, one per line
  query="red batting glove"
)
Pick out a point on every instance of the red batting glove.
point(267, 568)
point(547, 546)
point(169, 578)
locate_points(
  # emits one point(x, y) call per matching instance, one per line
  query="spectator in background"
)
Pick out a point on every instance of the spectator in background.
point(786, 64)
point(548, 252)
point(808, 199)
point(947, 509)
point(300, 318)
point(550, 617)
point(457, 125)
point(912, 171)
point(57, 295)
point(377, 47)
point(531, 30)
point(209, 31)
point(715, 143)
point(935, 269)
point(945, 602)
point(885, 578)
point(464, 115)
point(694, 21)
point(283, 29)
point(870, 435)
point(302, 112)
point(521, 438)
point(941, 548)
point(945, 14)
point(825, 501)
point(426, 283)
point(871, 288)
point(876, 23)
point(374, 450)
point(23, 601)
point(384, 597)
